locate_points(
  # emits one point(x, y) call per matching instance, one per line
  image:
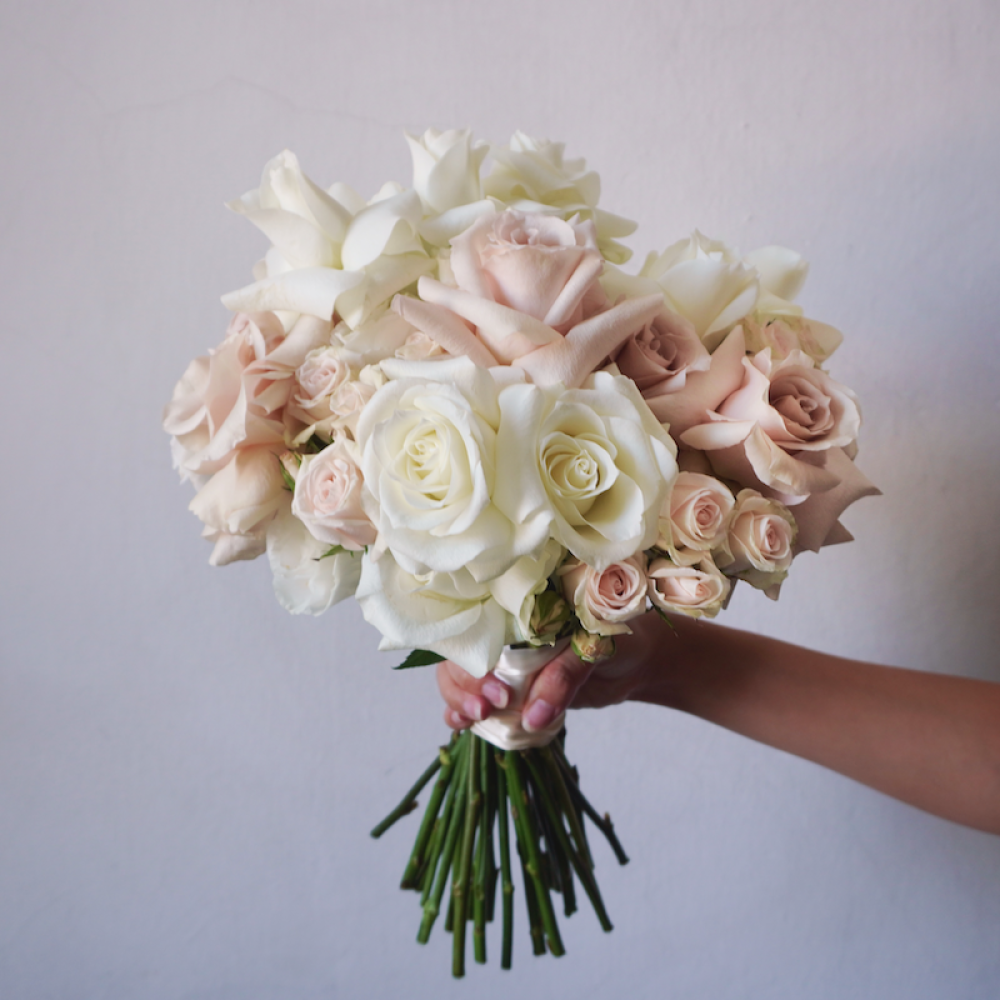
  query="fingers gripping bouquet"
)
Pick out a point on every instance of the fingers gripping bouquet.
point(450, 402)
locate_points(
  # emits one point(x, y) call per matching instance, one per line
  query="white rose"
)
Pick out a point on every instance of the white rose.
point(429, 457)
point(589, 466)
point(448, 613)
point(330, 251)
point(306, 581)
point(704, 281)
point(761, 542)
point(697, 591)
point(327, 498)
point(446, 168)
point(695, 517)
point(517, 589)
point(605, 599)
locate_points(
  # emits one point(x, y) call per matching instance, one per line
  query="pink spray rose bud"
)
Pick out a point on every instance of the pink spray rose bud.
point(761, 542)
point(592, 648)
point(605, 599)
point(695, 517)
point(328, 498)
point(696, 591)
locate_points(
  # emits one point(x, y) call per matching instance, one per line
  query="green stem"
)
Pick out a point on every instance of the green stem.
point(461, 886)
point(567, 805)
point(433, 905)
point(604, 823)
point(583, 871)
point(530, 897)
point(552, 819)
point(449, 757)
point(409, 801)
point(518, 796)
point(506, 877)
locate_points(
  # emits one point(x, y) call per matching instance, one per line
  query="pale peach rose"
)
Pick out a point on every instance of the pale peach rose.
point(695, 517)
point(792, 333)
point(697, 591)
point(328, 498)
point(235, 397)
point(772, 432)
point(605, 599)
point(761, 542)
point(237, 503)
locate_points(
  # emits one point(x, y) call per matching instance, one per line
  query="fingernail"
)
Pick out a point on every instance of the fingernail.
point(538, 716)
point(495, 693)
point(472, 708)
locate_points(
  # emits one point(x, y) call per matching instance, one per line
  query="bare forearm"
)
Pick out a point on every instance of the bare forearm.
point(930, 740)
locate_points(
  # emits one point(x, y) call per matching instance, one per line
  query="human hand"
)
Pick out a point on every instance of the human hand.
point(563, 682)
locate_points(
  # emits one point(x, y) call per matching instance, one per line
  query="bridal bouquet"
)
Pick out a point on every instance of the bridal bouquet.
point(452, 403)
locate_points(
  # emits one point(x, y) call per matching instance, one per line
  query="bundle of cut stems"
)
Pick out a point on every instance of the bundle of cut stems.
point(464, 841)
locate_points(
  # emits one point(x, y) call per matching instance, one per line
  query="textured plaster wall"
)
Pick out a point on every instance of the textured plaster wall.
point(187, 774)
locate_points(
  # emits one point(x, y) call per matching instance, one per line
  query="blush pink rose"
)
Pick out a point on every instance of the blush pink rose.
point(328, 498)
point(696, 591)
point(536, 264)
point(526, 293)
point(605, 599)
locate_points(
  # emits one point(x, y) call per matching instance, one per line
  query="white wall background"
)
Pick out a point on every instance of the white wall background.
point(187, 775)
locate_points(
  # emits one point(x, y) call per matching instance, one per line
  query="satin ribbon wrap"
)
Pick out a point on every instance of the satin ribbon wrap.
point(515, 668)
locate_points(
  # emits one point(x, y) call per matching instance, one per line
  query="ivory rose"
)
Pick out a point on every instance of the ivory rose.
point(428, 445)
point(761, 542)
point(695, 517)
point(306, 580)
point(590, 467)
point(772, 431)
point(697, 591)
point(327, 498)
point(606, 599)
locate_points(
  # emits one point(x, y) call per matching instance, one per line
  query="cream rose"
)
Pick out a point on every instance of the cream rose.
point(590, 467)
point(695, 517)
point(761, 542)
point(306, 580)
point(606, 599)
point(428, 447)
point(697, 591)
point(327, 500)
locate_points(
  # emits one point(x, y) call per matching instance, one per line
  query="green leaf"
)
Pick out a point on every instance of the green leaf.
point(334, 550)
point(419, 658)
point(287, 476)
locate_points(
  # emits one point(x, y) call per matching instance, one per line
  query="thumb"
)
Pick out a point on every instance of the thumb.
point(553, 689)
